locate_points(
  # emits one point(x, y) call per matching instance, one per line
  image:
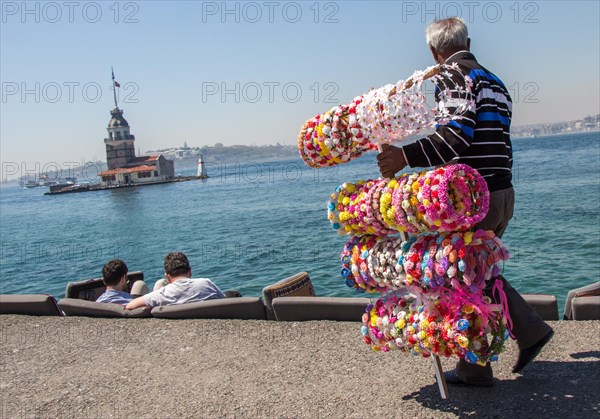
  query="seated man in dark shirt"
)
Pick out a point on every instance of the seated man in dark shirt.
point(114, 275)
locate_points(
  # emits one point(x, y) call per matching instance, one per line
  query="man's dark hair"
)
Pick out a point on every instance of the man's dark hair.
point(113, 271)
point(176, 263)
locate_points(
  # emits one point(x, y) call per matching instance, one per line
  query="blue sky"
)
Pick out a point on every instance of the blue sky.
point(280, 63)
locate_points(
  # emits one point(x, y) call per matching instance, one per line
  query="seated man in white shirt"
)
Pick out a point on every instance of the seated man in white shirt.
point(114, 276)
point(181, 288)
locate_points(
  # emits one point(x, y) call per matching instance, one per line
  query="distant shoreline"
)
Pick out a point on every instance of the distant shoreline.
point(554, 135)
point(186, 164)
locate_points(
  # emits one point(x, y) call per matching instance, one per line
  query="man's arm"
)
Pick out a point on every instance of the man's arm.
point(219, 292)
point(447, 142)
point(433, 150)
point(136, 303)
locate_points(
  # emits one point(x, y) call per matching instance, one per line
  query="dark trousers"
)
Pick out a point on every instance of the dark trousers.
point(527, 326)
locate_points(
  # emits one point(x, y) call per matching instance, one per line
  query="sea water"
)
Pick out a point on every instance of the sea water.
point(252, 224)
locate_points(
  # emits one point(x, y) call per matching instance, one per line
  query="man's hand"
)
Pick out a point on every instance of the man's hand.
point(390, 161)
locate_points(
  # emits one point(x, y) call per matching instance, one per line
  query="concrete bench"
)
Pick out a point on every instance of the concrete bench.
point(544, 304)
point(77, 307)
point(591, 306)
point(319, 308)
point(243, 308)
point(29, 304)
point(586, 308)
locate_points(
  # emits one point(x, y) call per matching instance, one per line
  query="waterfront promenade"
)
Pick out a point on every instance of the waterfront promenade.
point(77, 367)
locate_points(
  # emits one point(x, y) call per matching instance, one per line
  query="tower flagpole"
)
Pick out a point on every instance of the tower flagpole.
point(114, 86)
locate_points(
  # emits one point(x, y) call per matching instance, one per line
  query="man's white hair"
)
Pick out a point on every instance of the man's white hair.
point(446, 34)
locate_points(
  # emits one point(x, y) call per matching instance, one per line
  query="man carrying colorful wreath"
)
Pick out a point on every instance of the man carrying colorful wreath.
point(479, 138)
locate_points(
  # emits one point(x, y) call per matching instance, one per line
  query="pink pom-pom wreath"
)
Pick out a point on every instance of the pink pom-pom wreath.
point(422, 264)
point(449, 198)
point(465, 325)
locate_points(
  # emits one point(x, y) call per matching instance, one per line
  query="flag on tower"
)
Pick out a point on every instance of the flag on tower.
point(117, 84)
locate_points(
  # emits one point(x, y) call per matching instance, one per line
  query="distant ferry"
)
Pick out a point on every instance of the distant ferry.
point(45, 181)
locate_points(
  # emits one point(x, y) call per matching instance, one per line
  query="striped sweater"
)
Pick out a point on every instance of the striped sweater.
point(479, 137)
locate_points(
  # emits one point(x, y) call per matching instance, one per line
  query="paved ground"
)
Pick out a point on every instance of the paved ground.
point(82, 367)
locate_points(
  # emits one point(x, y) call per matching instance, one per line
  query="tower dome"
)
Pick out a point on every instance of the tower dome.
point(117, 120)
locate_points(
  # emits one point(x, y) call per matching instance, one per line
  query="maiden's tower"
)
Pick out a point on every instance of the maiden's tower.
point(124, 168)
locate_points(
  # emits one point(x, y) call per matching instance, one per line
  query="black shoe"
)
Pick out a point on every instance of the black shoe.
point(452, 378)
point(527, 355)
